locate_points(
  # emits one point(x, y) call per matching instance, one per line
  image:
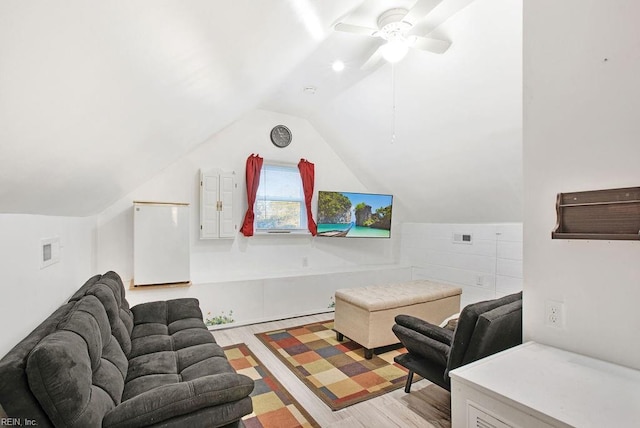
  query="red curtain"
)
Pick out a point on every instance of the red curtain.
point(307, 173)
point(254, 165)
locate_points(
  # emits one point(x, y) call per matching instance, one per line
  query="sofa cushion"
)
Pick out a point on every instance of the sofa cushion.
point(108, 288)
point(15, 395)
point(169, 401)
point(82, 291)
point(175, 363)
point(167, 326)
point(77, 373)
point(166, 312)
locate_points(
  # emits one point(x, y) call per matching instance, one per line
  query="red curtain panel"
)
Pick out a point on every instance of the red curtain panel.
point(254, 165)
point(307, 173)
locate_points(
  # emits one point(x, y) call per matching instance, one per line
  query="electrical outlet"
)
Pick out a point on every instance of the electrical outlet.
point(554, 313)
point(479, 280)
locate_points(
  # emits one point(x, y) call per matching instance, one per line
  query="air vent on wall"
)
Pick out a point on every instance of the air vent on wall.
point(462, 238)
point(50, 252)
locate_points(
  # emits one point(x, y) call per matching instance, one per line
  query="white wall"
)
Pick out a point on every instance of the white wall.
point(258, 256)
point(581, 132)
point(278, 297)
point(489, 267)
point(30, 294)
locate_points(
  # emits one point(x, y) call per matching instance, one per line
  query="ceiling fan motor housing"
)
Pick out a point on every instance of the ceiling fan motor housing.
point(391, 26)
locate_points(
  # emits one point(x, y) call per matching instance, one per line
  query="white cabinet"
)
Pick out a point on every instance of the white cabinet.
point(536, 386)
point(217, 196)
point(160, 243)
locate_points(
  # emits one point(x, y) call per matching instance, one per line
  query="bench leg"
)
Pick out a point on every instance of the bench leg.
point(368, 353)
point(339, 336)
point(407, 386)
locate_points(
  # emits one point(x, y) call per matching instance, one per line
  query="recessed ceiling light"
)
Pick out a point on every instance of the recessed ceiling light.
point(337, 66)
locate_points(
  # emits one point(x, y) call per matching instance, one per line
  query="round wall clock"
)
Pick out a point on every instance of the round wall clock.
point(281, 136)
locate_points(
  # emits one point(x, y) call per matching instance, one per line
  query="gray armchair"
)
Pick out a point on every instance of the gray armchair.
point(483, 329)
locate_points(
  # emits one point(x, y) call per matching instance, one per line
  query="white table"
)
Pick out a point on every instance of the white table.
point(534, 385)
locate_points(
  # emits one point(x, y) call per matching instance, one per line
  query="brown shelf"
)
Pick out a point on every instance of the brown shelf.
point(601, 236)
point(611, 214)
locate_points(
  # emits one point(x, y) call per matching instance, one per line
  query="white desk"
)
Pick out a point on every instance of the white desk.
point(534, 385)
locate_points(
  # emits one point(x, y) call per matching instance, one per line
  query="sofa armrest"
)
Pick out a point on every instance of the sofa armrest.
point(425, 328)
point(169, 401)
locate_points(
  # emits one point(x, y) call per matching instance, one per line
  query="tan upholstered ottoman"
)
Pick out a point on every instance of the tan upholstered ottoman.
point(366, 315)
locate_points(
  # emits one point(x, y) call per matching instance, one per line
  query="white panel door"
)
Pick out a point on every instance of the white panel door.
point(161, 243)
point(227, 190)
point(209, 214)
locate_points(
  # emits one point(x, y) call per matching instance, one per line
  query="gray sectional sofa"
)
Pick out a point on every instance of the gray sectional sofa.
point(96, 362)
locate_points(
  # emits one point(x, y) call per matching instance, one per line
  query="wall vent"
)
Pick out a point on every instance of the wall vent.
point(462, 238)
point(49, 252)
point(480, 418)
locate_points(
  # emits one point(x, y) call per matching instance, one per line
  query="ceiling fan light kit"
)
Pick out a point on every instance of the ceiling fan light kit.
point(394, 50)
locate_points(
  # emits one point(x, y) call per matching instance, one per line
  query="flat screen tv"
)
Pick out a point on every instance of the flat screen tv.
point(354, 215)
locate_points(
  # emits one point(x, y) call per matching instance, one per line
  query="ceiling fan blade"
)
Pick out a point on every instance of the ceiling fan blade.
point(374, 59)
point(431, 45)
point(420, 10)
point(356, 29)
point(436, 18)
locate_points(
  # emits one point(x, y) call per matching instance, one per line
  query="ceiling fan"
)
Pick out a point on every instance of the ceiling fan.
point(394, 27)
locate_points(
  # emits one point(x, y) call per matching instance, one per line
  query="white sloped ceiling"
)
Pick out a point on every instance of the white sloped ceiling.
point(97, 97)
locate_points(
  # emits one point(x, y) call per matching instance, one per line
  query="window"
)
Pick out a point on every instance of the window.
point(279, 203)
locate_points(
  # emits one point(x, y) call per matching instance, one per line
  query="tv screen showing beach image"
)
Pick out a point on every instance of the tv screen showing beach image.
point(354, 215)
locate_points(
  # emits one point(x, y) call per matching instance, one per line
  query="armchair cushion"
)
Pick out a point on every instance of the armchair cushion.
point(467, 324)
point(496, 330)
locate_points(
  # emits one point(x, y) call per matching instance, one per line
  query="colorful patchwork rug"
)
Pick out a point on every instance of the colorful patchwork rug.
point(336, 372)
point(273, 406)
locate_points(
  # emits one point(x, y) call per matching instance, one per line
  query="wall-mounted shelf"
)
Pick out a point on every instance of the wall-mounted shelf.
point(611, 214)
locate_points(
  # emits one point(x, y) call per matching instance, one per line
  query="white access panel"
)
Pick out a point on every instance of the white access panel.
point(160, 243)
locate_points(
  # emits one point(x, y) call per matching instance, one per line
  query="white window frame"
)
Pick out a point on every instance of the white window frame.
point(303, 230)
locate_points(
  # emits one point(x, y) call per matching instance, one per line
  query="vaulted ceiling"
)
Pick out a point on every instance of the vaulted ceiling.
point(96, 97)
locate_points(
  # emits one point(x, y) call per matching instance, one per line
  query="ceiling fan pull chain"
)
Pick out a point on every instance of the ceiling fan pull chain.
point(393, 103)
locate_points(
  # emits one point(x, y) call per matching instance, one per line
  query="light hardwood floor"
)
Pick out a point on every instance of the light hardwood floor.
point(426, 406)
